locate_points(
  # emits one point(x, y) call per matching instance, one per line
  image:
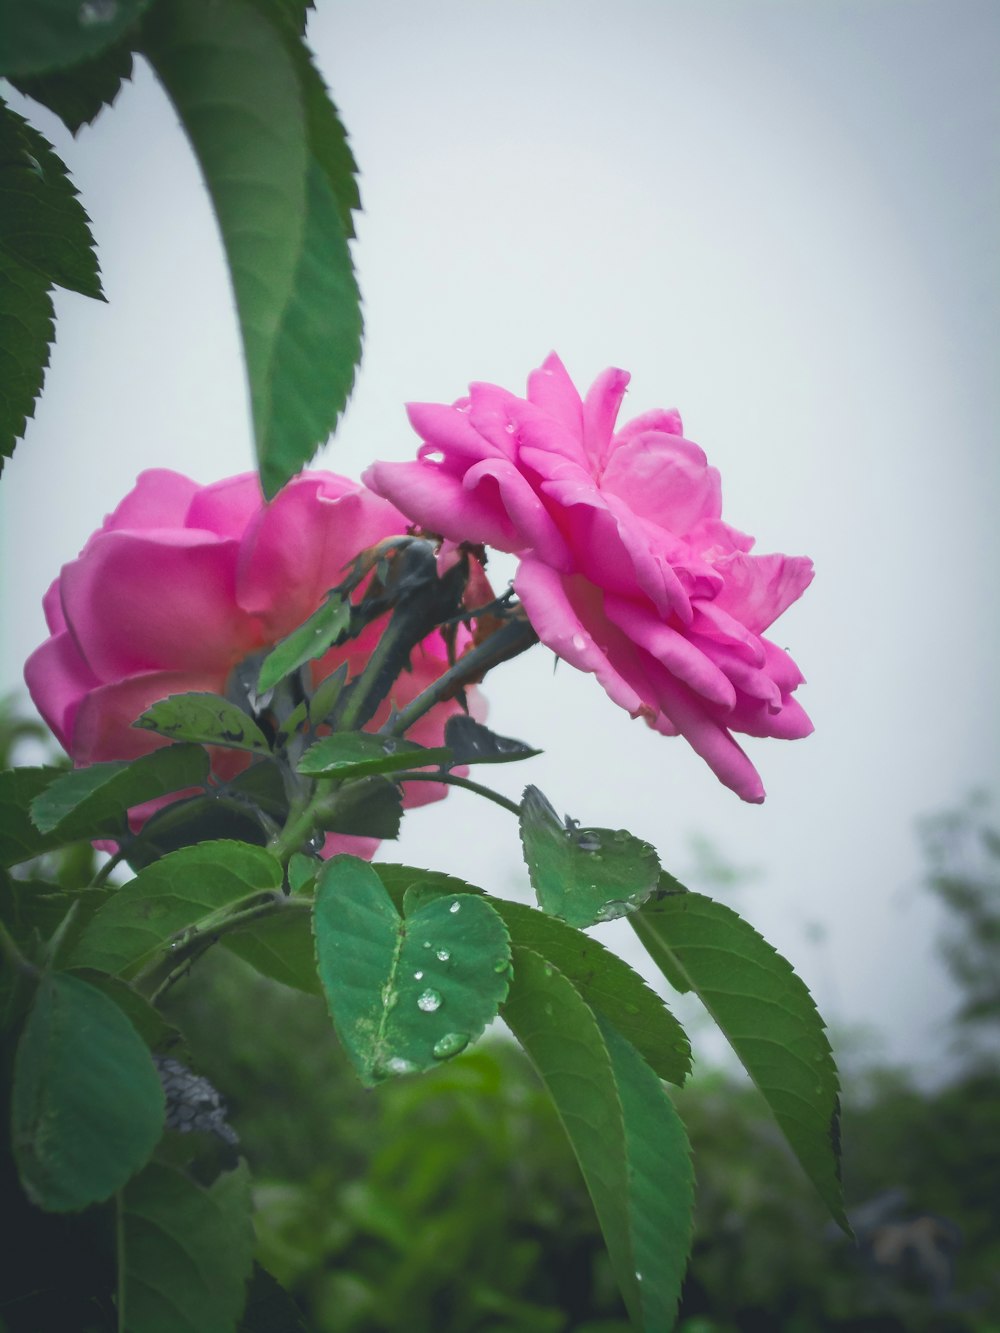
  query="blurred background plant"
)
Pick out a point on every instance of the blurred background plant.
point(451, 1203)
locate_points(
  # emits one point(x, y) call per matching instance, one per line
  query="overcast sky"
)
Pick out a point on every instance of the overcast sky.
point(782, 219)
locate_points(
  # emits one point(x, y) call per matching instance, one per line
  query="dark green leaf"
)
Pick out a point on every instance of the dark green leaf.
point(605, 981)
point(368, 808)
point(472, 743)
point(19, 839)
point(355, 754)
point(301, 872)
point(26, 332)
point(281, 947)
point(269, 1307)
point(627, 1137)
point(268, 156)
point(78, 95)
point(33, 909)
point(312, 639)
point(87, 1107)
point(85, 801)
point(768, 1016)
point(148, 1022)
point(186, 1251)
point(43, 226)
point(583, 875)
point(51, 34)
point(206, 718)
point(405, 994)
point(176, 891)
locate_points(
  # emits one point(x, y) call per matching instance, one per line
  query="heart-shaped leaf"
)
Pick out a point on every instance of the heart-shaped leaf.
point(583, 875)
point(405, 992)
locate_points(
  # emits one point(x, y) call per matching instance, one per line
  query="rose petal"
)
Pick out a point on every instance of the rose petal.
point(58, 677)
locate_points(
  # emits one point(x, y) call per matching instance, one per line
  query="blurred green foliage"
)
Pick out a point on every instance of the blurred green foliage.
point(450, 1203)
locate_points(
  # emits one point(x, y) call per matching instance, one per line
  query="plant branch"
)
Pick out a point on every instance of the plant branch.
point(453, 780)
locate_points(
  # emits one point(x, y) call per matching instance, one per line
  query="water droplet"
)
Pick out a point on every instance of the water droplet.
point(418, 976)
point(547, 970)
point(429, 1001)
point(455, 907)
point(611, 910)
point(588, 841)
point(638, 1276)
point(95, 13)
point(579, 642)
point(510, 428)
point(428, 945)
point(443, 955)
point(450, 1044)
point(501, 965)
point(390, 745)
point(396, 1064)
point(621, 835)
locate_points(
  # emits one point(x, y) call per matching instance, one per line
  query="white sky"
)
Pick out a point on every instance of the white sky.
point(782, 219)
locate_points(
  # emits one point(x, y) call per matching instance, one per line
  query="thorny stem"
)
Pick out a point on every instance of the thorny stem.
point(515, 637)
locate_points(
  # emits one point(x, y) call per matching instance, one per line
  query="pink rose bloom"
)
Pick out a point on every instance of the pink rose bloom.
point(182, 582)
point(626, 567)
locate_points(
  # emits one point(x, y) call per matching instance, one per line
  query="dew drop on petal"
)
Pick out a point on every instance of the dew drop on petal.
point(579, 642)
point(429, 1001)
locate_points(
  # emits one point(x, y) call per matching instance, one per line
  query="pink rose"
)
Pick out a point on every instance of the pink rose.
point(182, 582)
point(626, 567)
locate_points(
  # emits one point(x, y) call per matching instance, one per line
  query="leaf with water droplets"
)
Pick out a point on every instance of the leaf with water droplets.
point(404, 992)
point(766, 1013)
point(583, 875)
point(472, 743)
point(311, 639)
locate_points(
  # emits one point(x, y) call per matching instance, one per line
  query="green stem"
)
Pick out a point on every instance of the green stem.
point(101, 876)
point(452, 780)
point(190, 943)
point(303, 819)
point(14, 955)
point(514, 638)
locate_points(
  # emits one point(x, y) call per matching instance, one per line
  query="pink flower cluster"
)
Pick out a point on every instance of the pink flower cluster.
point(182, 582)
point(627, 569)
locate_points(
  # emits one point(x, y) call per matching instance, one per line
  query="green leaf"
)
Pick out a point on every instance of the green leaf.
point(185, 1251)
point(280, 947)
point(206, 718)
point(85, 801)
point(605, 981)
point(279, 174)
point(26, 332)
point(405, 994)
point(624, 1130)
point(356, 754)
point(583, 875)
point(50, 34)
point(87, 1107)
point(174, 892)
point(148, 1022)
point(42, 224)
point(313, 638)
point(768, 1016)
point(78, 95)
point(269, 1308)
point(302, 872)
point(369, 808)
point(19, 839)
point(472, 743)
